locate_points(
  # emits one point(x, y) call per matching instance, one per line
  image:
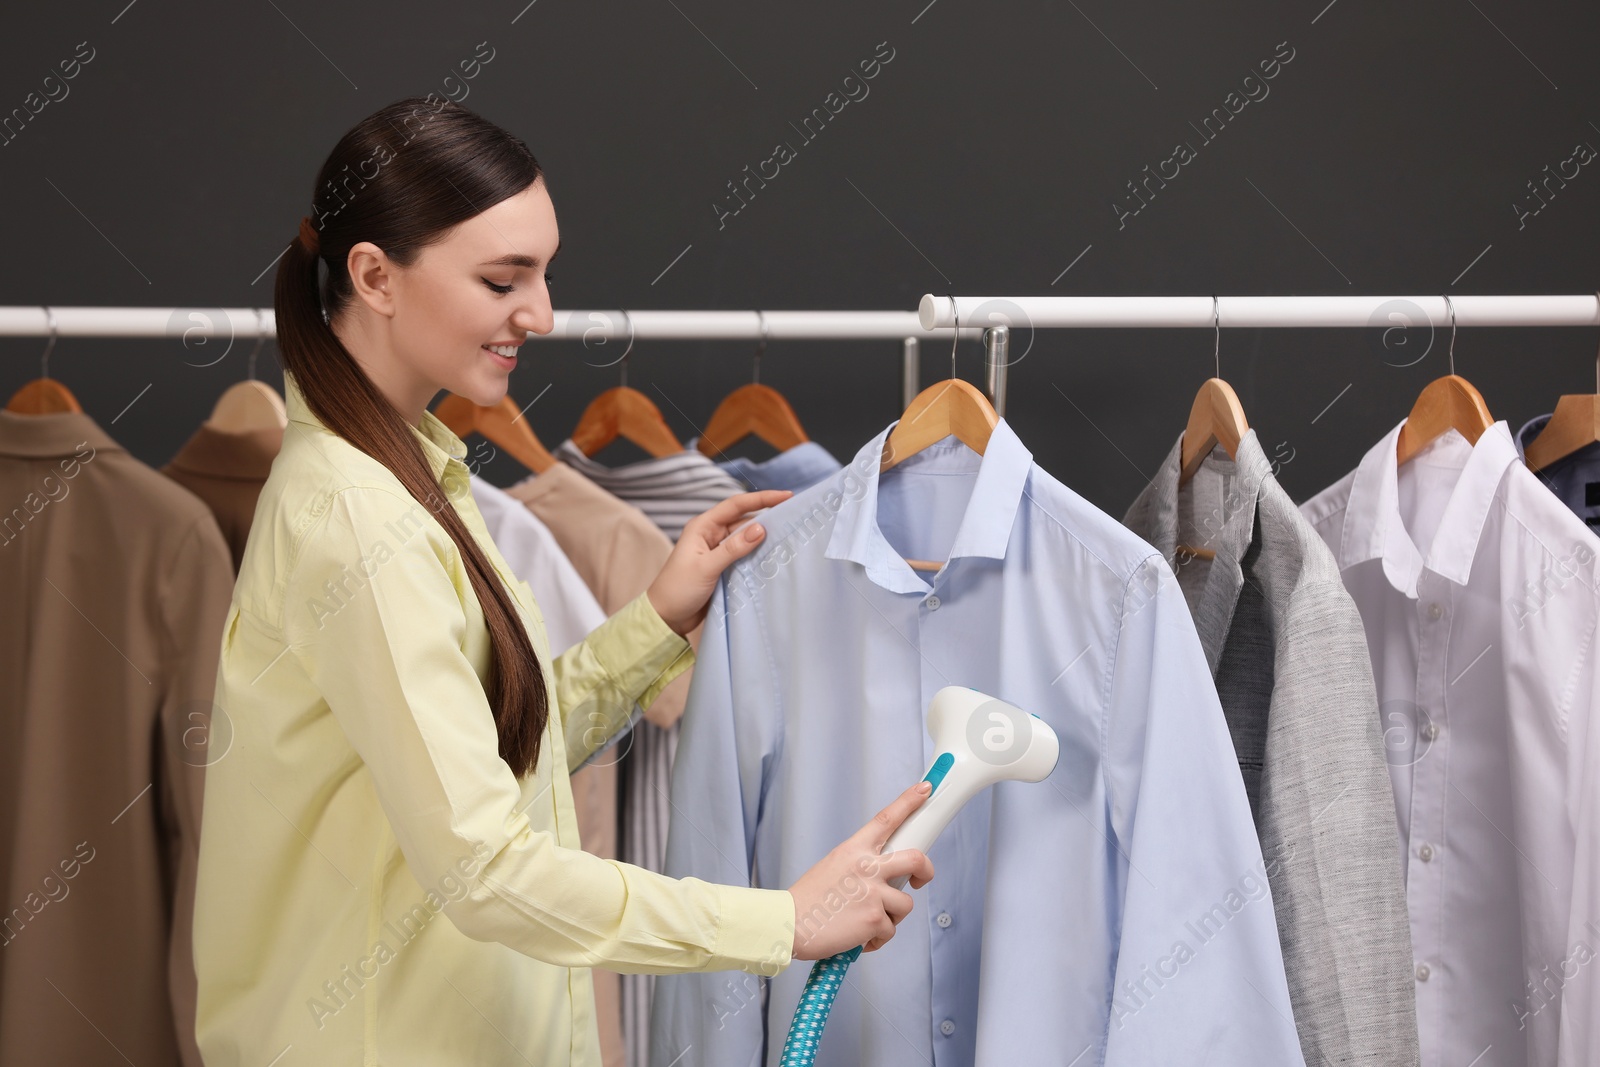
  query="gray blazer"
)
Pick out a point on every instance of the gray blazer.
point(1289, 655)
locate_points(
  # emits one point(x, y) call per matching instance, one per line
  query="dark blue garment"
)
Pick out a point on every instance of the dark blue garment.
point(1575, 478)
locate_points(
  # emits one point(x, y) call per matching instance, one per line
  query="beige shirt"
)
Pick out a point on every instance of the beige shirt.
point(115, 583)
point(615, 547)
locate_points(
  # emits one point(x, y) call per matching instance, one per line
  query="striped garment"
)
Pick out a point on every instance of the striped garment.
point(670, 490)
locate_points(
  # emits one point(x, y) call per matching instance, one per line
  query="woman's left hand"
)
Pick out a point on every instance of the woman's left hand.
point(681, 593)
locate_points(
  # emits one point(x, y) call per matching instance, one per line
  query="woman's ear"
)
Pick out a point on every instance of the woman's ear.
point(372, 276)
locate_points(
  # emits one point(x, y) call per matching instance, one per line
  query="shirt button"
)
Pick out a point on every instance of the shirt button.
point(947, 1028)
point(1435, 612)
point(933, 603)
point(944, 919)
point(1430, 731)
point(1422, 972)
point(1425, 852)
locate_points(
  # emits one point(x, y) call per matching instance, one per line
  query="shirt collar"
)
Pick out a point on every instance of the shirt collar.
point(986, 523)
point(1529, 431)
point(439, 446)
point(1229, 535)
point(43, 436)
point(1373, 528)
point(245, 456)
point(800, 467)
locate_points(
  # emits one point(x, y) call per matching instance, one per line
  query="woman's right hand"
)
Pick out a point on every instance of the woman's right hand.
point(846, 900)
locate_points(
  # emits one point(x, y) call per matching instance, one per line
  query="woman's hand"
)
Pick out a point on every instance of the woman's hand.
point(846, 900)
point(681, 593)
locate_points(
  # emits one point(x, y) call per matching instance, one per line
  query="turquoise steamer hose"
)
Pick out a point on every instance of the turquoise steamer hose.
point(980, 741)
point(811, 1014)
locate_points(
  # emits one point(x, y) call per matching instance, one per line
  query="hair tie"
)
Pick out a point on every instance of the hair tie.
point(308, 235)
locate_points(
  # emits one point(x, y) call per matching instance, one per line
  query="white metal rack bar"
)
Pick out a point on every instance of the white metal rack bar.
point(590, 327)
point(989, 318)
point(1265, 311)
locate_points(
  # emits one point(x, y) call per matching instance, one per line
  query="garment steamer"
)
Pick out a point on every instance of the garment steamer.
point(979, 741)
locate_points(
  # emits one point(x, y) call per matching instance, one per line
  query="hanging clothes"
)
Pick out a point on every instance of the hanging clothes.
point(1060, 901)
point(1284, 642)
point(116, 584)
point(670, 490)
point(569, 611)
point(797, 468)
point(1480, 596)
point(227, 470)
point(614, 547)
point(1575, 478)
point(568, 608)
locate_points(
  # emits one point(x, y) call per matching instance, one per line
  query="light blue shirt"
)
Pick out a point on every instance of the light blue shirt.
point(1117, 913)
point(797, 468)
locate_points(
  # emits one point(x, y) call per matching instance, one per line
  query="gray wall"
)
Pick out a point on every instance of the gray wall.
point(1390, 154)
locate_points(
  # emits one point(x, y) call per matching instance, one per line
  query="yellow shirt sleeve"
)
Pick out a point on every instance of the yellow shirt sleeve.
point(630, 658)
point(390, 660)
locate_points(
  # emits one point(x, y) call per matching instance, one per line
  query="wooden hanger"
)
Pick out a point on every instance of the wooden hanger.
point(1575, 425)
point(1448, 403)
point(626, 413)
point(44, 395)
point(248, 406)
point(503, 424)
point(753, 409)
point(942, 409)
point(1215, 418)
point(245, 407)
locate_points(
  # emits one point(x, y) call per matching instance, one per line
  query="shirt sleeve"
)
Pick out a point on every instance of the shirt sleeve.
point(197, 590)
point(605, 681)
point(1198, 964)
point(377, 619)
point(717, 789)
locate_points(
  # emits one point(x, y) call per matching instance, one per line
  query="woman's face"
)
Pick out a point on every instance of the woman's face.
point(483, 285)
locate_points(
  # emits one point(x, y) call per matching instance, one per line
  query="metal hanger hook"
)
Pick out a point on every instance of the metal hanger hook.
point(261, 339)
point(44, 361)
point(755, 363)
point(622, 363)
point(955, 335)
point(1216, 324)
point(1452, 309)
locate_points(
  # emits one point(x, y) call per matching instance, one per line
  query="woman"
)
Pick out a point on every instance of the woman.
point(402, 738)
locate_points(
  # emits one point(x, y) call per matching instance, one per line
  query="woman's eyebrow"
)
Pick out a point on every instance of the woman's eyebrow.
point(517, 259)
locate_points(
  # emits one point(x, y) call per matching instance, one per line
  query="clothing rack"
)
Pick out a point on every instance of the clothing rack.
point(590, 327)
point(986, 318)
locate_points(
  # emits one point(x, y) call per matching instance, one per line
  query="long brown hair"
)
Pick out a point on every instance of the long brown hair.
point(401, 178)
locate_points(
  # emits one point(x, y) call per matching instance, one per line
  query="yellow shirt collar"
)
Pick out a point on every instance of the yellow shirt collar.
point(439, 445)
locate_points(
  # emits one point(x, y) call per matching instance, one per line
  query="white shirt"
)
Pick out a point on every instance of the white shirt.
point(1478, 590)
point(570, 609)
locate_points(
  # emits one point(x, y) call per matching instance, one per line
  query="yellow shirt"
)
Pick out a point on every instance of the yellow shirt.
point(375, 884)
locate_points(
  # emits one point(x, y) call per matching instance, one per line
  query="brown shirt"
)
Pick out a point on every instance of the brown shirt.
point(227, 470)
point(116, 583)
